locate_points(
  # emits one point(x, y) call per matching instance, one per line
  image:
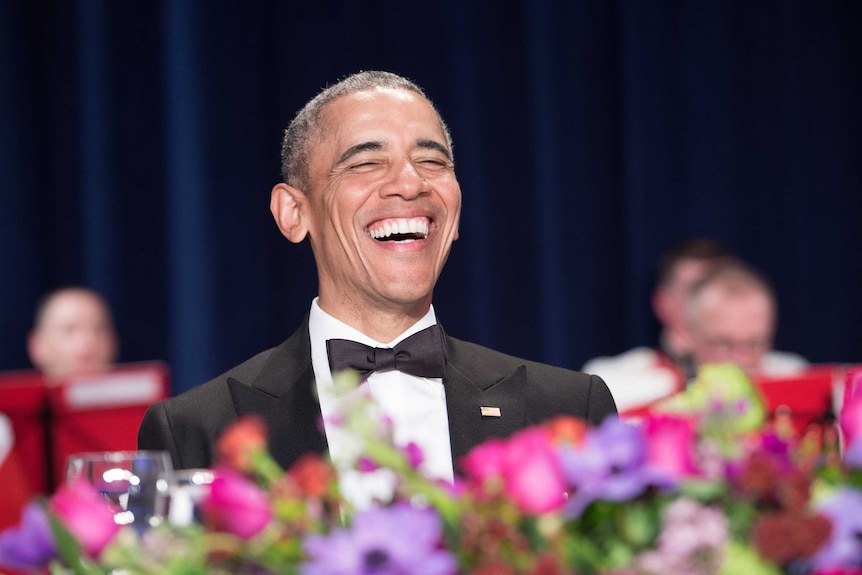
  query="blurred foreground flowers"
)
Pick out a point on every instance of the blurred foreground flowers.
point(702, 485)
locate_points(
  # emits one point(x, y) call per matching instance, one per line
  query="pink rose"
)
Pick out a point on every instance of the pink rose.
point(485, 461)
point(236, 505)
point(527, 466)
point(670, 445)
point(86, 514)
point(851, 412)
point(532, 472)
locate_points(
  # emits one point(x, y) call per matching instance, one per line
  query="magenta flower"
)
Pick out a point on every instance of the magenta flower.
point(611, 464)
point(236, 505)
point(30, 546)
point(670, 445)
point(533, 476)
point(851, 414)
point(485, 461)
point(399, 540)
point(528, 466)
point(86, 514)
point(414, 454)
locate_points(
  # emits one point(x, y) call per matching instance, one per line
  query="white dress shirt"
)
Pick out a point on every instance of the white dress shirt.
point(416, 407)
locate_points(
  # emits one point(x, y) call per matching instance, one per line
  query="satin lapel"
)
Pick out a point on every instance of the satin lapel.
point(467, 392)
point(283, 395)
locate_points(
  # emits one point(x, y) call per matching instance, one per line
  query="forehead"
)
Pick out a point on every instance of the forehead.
point(73, 305)
point(746, 312)
point(379, 113)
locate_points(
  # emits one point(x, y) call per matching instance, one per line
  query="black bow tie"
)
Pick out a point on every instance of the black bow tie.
point(423, 354)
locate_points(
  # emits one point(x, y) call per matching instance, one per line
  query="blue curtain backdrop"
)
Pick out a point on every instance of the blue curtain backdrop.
point(139, 142)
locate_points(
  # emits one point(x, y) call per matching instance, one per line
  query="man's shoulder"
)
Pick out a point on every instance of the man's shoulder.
point(490, 363)
point(245, 372)
point(249, 371)
point(549, 390)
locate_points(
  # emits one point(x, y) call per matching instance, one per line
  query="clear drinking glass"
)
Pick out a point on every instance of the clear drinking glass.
point(187, 490)
point(134, 483)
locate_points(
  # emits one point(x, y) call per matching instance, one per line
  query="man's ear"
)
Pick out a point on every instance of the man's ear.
point(36, 349)
point(659, 304)
point(288, 205)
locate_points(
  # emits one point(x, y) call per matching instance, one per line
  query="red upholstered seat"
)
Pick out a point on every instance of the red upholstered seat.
point(809, 396)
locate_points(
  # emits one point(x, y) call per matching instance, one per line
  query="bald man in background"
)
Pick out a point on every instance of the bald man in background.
point(643, 375)
point(731, 314)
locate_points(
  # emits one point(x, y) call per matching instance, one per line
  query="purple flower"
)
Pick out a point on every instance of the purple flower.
point(853, 455)
point(690, 543)
point(30, 546)
point(611, 464)
point(399, 540)
point(844, 547)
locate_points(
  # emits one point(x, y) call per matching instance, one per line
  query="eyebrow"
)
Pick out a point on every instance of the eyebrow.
point(358, 149)
point(435, 145)
point(374, 146)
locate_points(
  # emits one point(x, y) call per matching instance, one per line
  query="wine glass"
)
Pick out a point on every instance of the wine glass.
point(134, 483)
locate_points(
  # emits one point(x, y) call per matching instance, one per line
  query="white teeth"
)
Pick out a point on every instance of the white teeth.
point(401, 227)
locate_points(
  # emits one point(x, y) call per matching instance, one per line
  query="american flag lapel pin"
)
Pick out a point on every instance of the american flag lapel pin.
point(490, 411)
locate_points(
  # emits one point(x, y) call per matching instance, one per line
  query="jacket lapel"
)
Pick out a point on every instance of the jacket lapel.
point(283, 395)
point(470, 386)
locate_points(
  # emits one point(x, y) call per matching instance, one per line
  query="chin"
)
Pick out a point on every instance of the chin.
point(408, 296)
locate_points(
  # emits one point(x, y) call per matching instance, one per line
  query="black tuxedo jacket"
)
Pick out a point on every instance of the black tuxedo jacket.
point(278, 384)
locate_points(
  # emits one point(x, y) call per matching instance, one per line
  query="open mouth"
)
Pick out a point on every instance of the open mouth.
point(399, 229)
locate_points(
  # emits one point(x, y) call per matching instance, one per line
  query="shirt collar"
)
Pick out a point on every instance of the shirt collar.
point(322, 326)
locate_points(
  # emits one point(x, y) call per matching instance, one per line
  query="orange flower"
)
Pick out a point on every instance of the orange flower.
point(565, 429)
point(240, 442)
point(312, 475)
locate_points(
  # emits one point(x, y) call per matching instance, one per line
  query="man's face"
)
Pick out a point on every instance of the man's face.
point(76, 334)
point(669, 301)
point(735, 328)
point(383, 203)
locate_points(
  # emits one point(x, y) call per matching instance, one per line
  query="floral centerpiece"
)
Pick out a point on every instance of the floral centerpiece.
point(701, 485)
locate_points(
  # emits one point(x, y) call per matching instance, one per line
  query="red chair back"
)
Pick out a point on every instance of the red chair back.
point(102, 411)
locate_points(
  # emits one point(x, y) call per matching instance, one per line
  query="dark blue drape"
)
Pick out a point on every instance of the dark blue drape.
point(139, 142)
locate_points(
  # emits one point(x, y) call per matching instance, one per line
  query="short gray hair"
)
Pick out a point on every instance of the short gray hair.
point(305, 126)
point(733, 277)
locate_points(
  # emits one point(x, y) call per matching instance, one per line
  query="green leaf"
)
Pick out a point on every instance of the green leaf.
point(70, 550)
point(739, 558)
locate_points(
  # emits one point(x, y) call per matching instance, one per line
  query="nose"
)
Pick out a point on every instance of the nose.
point(405, 181)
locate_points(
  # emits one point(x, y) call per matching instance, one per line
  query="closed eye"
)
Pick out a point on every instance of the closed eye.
point(435, 164)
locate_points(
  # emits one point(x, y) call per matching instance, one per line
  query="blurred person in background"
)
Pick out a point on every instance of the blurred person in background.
point(73, 332)
point(643, 374)
point(731, 315)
